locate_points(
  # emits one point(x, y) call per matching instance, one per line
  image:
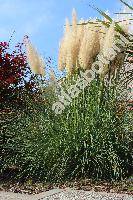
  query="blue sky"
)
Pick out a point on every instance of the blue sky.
point(43, 20)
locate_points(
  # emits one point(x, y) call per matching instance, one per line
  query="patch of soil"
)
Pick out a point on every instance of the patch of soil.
point(30, 187)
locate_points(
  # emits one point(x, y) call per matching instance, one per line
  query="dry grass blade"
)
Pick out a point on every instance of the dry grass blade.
point(118, 28)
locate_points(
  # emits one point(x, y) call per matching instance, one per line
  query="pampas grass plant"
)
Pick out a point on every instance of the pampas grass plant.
point(34, 59)
point(92, 136)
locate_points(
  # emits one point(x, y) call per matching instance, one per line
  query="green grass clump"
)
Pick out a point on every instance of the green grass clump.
point(89, 139)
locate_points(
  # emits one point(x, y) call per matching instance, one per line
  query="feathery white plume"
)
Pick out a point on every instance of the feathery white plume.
point(34, 59)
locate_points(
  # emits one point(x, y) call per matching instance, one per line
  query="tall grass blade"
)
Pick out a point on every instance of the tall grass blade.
point(126, 4)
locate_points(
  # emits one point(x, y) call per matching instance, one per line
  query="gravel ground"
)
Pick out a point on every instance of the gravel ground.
point(14, 196)
point(66, 194)
point(83, 195)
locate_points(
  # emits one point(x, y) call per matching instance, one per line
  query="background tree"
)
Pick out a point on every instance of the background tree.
point(16, 78)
